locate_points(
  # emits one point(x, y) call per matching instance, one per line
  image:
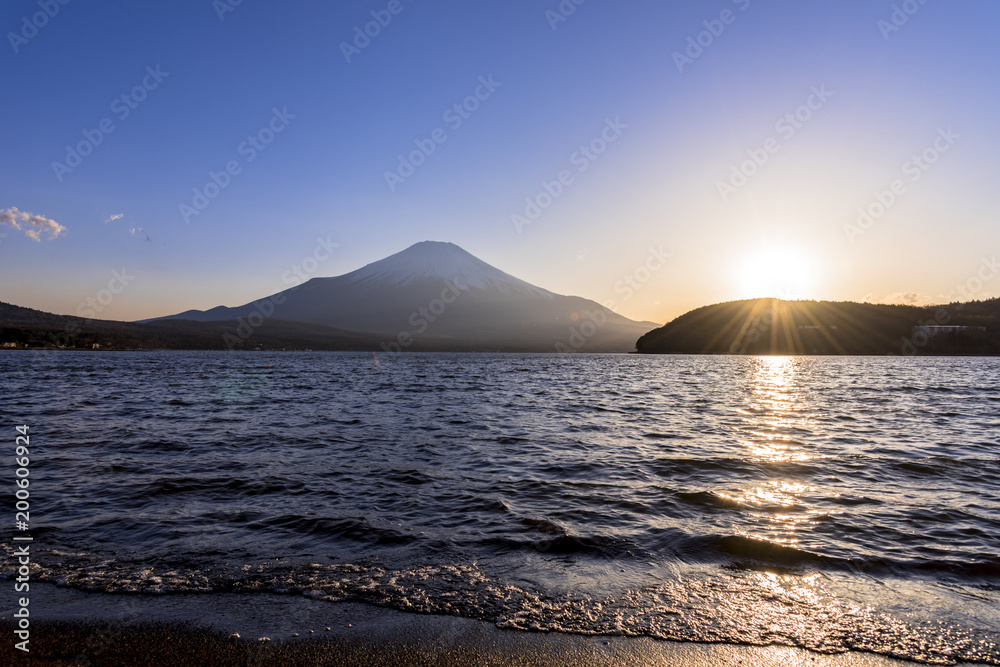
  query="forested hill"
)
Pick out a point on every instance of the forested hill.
point(773, 326)
point(29, 328)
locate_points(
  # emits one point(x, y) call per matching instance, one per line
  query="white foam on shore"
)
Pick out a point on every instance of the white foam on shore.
point(281, 617)
point(703, 605)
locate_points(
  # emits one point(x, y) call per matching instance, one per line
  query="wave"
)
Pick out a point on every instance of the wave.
point(738, 606)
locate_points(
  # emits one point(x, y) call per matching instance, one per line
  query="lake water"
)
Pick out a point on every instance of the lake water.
point(830, 503)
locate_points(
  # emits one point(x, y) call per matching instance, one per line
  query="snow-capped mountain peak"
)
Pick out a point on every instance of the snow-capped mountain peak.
point(440, 261)
point(402, 302)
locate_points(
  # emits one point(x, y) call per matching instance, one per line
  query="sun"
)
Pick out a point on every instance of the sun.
point(776, 272)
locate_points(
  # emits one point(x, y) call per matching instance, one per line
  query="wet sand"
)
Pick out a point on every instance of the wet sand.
point(73, 628)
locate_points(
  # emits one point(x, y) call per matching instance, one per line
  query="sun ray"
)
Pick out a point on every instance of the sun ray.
point(776, 272)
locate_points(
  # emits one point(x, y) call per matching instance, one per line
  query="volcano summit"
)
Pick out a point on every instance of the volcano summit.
point(435, 295)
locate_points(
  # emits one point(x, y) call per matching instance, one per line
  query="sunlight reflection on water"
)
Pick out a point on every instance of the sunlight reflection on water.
point(749, 499)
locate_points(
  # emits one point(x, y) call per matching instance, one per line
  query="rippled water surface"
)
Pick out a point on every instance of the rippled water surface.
point(831, 503)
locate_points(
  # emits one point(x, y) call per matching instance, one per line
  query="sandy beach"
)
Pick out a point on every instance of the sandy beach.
point(75, 628)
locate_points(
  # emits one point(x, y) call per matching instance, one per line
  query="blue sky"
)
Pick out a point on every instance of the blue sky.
point(670, 125)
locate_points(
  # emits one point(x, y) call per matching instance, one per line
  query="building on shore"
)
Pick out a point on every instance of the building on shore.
point(931, 330)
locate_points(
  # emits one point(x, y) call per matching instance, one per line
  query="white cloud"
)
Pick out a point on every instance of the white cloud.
point(10, 217)
point(140, 233)
point(33, 226)
point(114, 216)
point(908, 299)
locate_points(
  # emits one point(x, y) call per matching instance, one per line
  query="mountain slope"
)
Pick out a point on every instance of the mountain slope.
point(436, 292)
point(435, 260)
point(772, 326)
point(27, 327)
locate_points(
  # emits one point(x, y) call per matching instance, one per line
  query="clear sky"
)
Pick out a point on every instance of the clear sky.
point(741, 137)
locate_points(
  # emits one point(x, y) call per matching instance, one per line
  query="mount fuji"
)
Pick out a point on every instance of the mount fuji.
point(435, 295)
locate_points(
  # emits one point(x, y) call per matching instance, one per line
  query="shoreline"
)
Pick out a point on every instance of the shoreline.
point(75, 627)
point(981, 355)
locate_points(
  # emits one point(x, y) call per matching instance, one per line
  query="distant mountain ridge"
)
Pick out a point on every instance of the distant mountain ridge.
point(437, 293)
point(757, 326)
point(27, 327)
point(773, 326)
